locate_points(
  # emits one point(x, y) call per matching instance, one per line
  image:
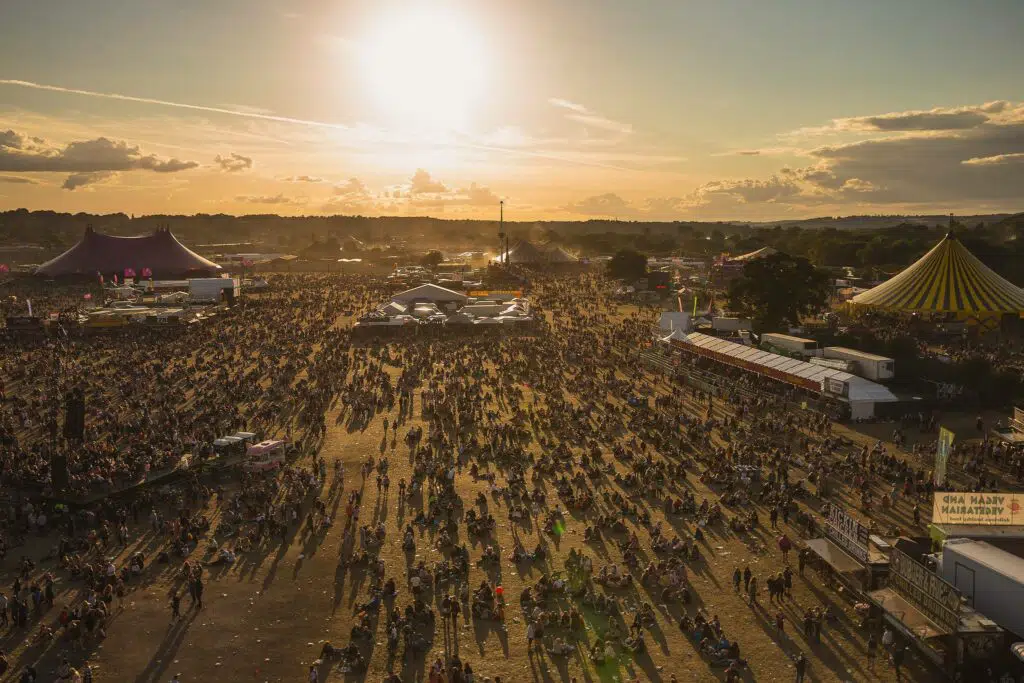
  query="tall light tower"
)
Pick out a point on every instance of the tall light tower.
point(502, 238)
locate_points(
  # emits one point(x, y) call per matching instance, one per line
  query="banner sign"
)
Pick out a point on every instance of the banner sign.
point(846, 532)
point(942, 455)
point(986, 509)
point(496, 292)
point(939, 600)
point(834, 386)
point(1017, 421)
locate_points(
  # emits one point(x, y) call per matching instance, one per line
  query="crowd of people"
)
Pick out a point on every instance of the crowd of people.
point(494, 451)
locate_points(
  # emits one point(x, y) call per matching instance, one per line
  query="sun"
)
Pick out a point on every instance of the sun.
point(424, 69)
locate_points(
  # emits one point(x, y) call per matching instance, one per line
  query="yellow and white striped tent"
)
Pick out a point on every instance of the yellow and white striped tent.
point(948, 279)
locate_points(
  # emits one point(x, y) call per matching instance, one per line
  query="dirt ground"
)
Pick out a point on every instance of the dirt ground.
point(266, 617)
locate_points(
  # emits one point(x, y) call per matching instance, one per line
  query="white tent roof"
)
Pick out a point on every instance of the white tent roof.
point(676, 334)
point(674, 320)
point(429, 293)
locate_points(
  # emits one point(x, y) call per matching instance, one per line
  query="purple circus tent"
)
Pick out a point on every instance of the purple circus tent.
point(95, 253)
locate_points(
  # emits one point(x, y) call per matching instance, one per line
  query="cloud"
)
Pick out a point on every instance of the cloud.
point(939, 119)
point(270, 199)
point(77, 180)
point(763, 151)
point(936, 119)
point(954, 156)
point(303, 179)
point(611, 205)
point(749, 191)
point(582, 114)
point(233, 162)
point(422, 183)
point(608, 204)
point(10, 140)
point(86, 156)
point(168, 103)
point(17, 180)
point(353, 187)
point(477, 195)
point(352, 196)
point(997, 160)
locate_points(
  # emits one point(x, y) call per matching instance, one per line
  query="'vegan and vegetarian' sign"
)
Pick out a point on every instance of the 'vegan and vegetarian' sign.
point(988, 509)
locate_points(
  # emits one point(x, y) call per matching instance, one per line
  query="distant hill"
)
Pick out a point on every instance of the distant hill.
point(879, 222)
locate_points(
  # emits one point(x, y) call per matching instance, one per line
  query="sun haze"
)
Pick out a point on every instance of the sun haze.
point(576, 109)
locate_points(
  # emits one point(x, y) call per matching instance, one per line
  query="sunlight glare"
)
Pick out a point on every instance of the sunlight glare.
point(424, 69)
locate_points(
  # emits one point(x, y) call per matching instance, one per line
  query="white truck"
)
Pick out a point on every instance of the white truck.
point(787, 345)
point(868, 365)
point(212, 289)
point(990, 579)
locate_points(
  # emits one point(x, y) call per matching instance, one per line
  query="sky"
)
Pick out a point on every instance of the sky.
point(563, 109)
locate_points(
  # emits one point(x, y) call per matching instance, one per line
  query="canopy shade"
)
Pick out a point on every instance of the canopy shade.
point(161, 252)
point(948, 279)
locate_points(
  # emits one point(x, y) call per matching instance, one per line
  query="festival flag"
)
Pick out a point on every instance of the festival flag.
point(87, 297)
point(4, 268)
point(129, 272)
point(100, 276)
point(246, 263)
point(694, 305)
point(115, 278)
point(146, 272)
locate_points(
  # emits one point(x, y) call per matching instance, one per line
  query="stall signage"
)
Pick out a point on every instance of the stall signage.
point(987, 509)
point(939, 600)
point(835, 386)
point(942, 453)
point(847, 532)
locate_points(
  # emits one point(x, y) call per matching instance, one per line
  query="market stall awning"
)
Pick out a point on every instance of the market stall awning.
point(910, 617)
point(834, 556)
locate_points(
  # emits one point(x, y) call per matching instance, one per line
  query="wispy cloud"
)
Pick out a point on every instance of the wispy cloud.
point(168, 103)
point(996, 160)
point(363, 134)
point(582, 114)
point(277, 199)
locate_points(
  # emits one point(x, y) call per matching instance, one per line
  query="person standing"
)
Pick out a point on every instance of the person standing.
point(175, 606)
point(872, 651)
point(801, 667)
point(897, 660)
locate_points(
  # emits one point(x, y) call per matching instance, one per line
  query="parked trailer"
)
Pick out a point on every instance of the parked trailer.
point(989, 578)
point(869, 366)
point(723, 324)
point(794, 346)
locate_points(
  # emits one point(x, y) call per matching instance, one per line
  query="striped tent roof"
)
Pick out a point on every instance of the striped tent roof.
point(948, 279)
